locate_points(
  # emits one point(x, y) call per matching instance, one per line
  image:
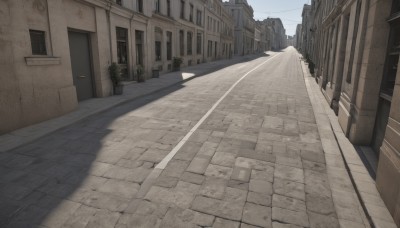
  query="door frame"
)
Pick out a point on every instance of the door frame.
point(91, 67)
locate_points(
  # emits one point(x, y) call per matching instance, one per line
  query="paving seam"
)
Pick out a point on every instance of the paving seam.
point(359, 197)
point(151, 178)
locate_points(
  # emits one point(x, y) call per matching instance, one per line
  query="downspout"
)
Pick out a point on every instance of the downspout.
point(357, 75)
point(108, 12)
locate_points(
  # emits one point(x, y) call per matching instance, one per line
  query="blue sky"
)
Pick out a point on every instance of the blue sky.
point(288, 10)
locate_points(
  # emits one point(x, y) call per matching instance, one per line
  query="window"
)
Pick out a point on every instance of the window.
point(215, 25)
point(158, 50)
point(158, 41)
point(119, 2)
point(199, 43)
point(215, 49)
point(140, 6)
point(122, 47)
point(396, 7)
point(198, 18)
point(139, 47)
point(191, 13)
point(168, 8)
point(181, 43)
point(38, 42)
point(189, 43)
point(182, 9)
point(209, 49)
point(392, 59)
point(169, 45)
point(157, 6)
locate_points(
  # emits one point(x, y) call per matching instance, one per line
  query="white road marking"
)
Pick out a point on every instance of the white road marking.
point(171, 154)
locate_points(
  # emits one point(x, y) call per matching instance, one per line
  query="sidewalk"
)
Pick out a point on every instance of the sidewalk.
point(345, 166)
point(94, 106)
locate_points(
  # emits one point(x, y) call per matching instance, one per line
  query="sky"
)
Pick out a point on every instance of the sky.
point(289, 11)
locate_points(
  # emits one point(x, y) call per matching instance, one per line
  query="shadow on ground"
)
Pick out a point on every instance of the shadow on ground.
point(72, 173)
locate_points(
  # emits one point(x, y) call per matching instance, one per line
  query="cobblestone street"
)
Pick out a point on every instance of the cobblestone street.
point(247, 155)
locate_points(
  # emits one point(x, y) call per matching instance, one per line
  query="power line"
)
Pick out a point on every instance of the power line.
point(283, 11)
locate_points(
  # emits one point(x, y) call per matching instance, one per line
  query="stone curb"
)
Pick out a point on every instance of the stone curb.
point(371, 205)
point(95, 106)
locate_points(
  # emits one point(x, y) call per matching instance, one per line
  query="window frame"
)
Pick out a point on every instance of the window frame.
point(189, 43)
point(182, 16)
point(182, 42)
point(191, 13)
point(40, 50)
point(169, 45)
point(122, 44)
point(199, 43)
point(199, 17)
point(157, 6)
point(139, 6)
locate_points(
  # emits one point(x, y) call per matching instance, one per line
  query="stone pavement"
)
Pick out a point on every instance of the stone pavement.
point(259, 160)
point(87, 173)
point(94, 106)
point(352, 170)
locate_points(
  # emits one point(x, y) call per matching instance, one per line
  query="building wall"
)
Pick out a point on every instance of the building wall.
point(37, 88)
point(33, 88)
point(351, 48)
point(244, 26)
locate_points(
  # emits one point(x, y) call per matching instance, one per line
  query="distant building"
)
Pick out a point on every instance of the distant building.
point(305, 31)
point(299, 36)
point(290, 41)
point(244, 26)
point(278, 36)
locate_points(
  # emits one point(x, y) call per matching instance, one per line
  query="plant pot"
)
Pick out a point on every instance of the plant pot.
point(156, 73)
point(141, 78)
point(118, 90)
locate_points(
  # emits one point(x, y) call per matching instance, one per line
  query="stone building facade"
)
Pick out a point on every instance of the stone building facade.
point(305, 31)
point(356, 48)
point(299, 38)
point(219, 31)
point(56, 53)
point(244, 31)
point(278, 37)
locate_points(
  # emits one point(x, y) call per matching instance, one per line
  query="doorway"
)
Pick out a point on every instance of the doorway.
point(81, 64)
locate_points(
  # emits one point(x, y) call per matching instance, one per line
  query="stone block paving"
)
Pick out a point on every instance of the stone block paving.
point(257, 161)
point(89, 174)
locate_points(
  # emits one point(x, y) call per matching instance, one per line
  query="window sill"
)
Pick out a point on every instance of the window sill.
point(42, 61)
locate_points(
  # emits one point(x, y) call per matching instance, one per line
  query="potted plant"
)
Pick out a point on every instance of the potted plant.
point(140, 73)
point(176, 63)
point(116, 79)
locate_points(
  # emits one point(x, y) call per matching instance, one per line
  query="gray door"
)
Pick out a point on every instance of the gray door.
point(81, 64)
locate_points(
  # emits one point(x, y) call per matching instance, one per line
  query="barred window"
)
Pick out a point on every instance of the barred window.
point(38, 42)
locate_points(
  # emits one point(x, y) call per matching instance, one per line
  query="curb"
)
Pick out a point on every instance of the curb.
point(364, 186)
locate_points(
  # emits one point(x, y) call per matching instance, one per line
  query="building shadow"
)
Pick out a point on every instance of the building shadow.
point(58, 177)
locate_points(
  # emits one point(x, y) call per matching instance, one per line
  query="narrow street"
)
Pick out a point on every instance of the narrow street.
point(238, 147)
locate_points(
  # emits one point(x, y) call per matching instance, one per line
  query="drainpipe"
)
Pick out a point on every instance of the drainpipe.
point(357, 75)
point(108, 12)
